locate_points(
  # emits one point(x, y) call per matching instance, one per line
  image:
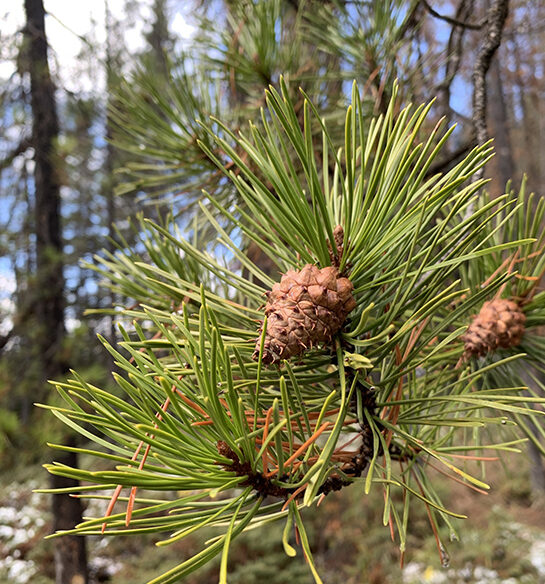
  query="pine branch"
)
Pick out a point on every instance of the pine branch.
point(368, 383)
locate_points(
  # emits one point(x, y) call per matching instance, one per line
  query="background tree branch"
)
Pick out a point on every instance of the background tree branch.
point(457, 21)
point(21, 148)
point(497, 15)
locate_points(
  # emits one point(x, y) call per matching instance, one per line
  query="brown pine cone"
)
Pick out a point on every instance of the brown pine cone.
point(500, 323)
point(305, 308)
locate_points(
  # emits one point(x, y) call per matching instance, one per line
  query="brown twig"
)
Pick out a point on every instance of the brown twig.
point(453, 157)
point(454, 21)
point(265, 483)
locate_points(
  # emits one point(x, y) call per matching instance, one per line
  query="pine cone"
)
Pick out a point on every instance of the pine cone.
point(305, 308)
point(500, 323)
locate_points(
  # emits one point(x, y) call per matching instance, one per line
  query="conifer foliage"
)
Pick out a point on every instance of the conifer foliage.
point(275, 391)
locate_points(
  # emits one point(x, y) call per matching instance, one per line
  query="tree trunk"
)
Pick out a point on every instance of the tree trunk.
point(537, 469)
point(70, 550)
point(49, 281)
point(537, 472)
point(505, 166)
point(108, 184)
point(495, 22)
point(48, 293)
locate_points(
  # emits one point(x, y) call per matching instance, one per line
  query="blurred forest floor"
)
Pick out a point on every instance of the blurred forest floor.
point(502, 541)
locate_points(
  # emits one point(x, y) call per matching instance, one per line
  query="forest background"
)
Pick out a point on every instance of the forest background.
point(104, 64)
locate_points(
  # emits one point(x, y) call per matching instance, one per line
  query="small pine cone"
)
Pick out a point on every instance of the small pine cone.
point(305, 308)
point(500, 323)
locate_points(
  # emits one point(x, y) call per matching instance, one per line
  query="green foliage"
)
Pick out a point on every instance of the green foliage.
point(241, 446)
point(233, 59)
point(155, 126)
point(524, 267)
point(371, 41)
point(8, 428)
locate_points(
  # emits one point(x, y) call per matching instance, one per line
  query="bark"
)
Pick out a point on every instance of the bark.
point(537, 471)
point(48, 294)
point(495, 21)
point(70, 550)
point(159, 39)
point(529, 144)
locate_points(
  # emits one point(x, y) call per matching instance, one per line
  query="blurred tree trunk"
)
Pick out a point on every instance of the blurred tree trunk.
point(160, 45)
point(537, 467)
point(529, 122)
point(48, 293)
point(500, 122)
point(160, 40)
point(49, 282)
point(111, 82)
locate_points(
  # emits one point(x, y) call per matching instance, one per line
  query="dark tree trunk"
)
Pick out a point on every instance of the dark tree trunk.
point(495, 22)
point(48, 293)
point(70, 550)
point(537, 471)
point(160, 40)
point(49, 282)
